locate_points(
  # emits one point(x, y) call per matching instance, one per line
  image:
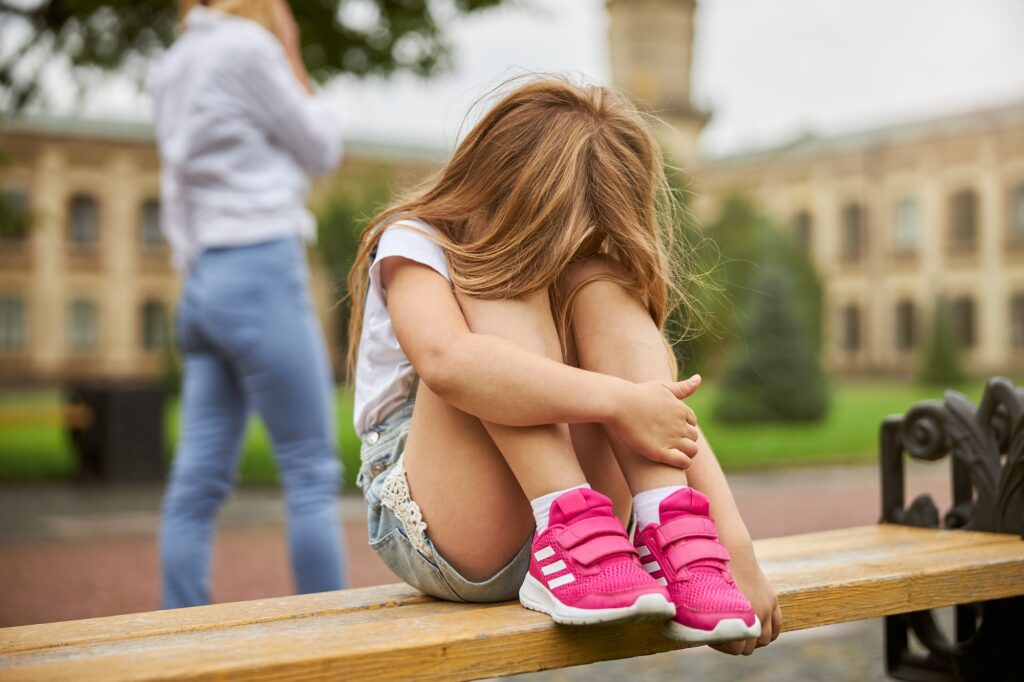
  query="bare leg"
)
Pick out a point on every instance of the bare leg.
point(472, 478)
point(614, 334)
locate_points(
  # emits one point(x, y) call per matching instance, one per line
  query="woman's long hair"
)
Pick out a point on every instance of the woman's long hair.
point(260, 11)
point(552, 173)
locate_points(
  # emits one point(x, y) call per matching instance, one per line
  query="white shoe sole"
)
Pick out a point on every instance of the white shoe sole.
point(728, 630)
point(534, 596)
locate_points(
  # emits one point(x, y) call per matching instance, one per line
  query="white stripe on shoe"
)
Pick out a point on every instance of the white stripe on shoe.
point(561, 580)
point(543, 553)
point(553, 568)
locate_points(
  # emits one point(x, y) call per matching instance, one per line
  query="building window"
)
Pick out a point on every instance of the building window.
point(84, 227)
point(853, 232)
point(907, 226)
point(150, 229)
point(13, 214)
point(154, 325)
point(964, 322)
point(964, 220)
point(802, 230)
point(1017, 216)
point(1017, 321)
point(12, 322)
point(851, 328)
point(82, 327)
point(906, 325)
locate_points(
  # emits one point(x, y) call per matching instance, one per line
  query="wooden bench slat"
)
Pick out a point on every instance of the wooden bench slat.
point(215, 616)
point(822, 578)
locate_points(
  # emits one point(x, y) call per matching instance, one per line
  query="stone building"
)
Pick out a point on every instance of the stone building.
point(86, 285)
point(894, 218)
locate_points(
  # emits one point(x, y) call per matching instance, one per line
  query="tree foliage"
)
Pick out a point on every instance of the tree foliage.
point(733, 251)
point(940, 361)
point(341, 218)
point(775, 372)
point(372, 37)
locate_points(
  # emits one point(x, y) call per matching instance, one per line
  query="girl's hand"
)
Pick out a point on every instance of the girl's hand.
point(653, 421)
point(755, 586)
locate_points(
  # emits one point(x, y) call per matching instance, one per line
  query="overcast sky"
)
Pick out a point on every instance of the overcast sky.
point(766, 69)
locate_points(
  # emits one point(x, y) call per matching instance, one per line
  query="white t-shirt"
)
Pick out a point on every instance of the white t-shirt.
point(384, 374)
point(238, 137)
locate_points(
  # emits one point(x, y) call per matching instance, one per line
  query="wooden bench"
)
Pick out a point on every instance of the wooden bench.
point(393, 632)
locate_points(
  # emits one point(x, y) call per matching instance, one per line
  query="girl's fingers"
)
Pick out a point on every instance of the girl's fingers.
point(687, 447)
point(749, 646)
point(731, 648)
point(766, 633)
point(676, 458)
point(776, 620)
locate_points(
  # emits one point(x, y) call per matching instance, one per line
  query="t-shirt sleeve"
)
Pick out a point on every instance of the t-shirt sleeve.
point(408, 239)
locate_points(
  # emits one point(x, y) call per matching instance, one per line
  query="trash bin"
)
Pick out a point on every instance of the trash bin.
point(118, 433)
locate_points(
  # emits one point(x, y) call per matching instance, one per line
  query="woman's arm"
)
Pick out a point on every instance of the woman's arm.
point(498, 381)
point(271, 81)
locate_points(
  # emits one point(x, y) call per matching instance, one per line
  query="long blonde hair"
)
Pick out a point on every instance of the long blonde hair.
point(260, 11)
point(552, 171)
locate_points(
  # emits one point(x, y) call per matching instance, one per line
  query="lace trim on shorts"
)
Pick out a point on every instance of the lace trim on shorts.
point(395, 496)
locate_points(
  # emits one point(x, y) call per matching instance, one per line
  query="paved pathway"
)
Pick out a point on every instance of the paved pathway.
point(76, 552)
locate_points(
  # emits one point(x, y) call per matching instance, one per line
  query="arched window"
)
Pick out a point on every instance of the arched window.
point(854, 237)
point(964, 323)
point(964, 221)
point(906, 226)
point(851, 328)
point(154, 325)
point(14, 217)
point(83, 226)
point(1017, 321)
point(803, 227)
point(906, 325)
point(1017, 216)
point(12, 322)
point(149, 230)
point(82, 325)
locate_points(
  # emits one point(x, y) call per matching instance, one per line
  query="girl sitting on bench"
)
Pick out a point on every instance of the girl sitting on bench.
point(516, 397)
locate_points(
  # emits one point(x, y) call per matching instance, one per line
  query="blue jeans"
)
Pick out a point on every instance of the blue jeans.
point(251, 340)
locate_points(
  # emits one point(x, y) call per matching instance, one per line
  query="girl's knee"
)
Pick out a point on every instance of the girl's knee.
point(597, 268)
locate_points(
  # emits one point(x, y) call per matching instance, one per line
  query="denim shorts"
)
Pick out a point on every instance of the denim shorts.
point(398, 534)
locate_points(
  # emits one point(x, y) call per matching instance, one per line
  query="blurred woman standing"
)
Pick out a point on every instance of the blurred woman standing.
point(240, 132)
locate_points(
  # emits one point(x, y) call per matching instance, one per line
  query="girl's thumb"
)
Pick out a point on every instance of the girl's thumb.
point(686, 388)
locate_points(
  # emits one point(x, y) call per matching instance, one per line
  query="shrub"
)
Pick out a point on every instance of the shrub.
point(774, 372)
point(940, 361)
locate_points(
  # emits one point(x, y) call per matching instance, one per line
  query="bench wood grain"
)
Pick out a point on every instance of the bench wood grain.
point(393, 632)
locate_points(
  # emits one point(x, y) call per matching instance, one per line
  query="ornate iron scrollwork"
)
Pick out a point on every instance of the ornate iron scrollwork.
point(987, 462)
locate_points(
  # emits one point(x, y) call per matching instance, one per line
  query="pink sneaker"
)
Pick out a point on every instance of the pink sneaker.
point(684, 554)
point(585, 570)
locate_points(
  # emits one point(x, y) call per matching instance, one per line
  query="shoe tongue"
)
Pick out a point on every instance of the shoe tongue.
point(579, 504)
point(689, 502)
point(683, 502)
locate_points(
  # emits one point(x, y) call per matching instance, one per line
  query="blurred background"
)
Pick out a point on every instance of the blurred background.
point(853, 174)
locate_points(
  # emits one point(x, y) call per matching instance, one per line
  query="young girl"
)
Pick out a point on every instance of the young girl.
point(513, 382)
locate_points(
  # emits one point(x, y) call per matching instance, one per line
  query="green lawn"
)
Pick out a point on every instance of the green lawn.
point(848, 434)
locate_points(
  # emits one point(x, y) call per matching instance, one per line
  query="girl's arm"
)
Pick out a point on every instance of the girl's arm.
point(706, 475)
point(498, 381)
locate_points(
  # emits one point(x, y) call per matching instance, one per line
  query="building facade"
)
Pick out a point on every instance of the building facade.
point(894, 218)
point(87, 290)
